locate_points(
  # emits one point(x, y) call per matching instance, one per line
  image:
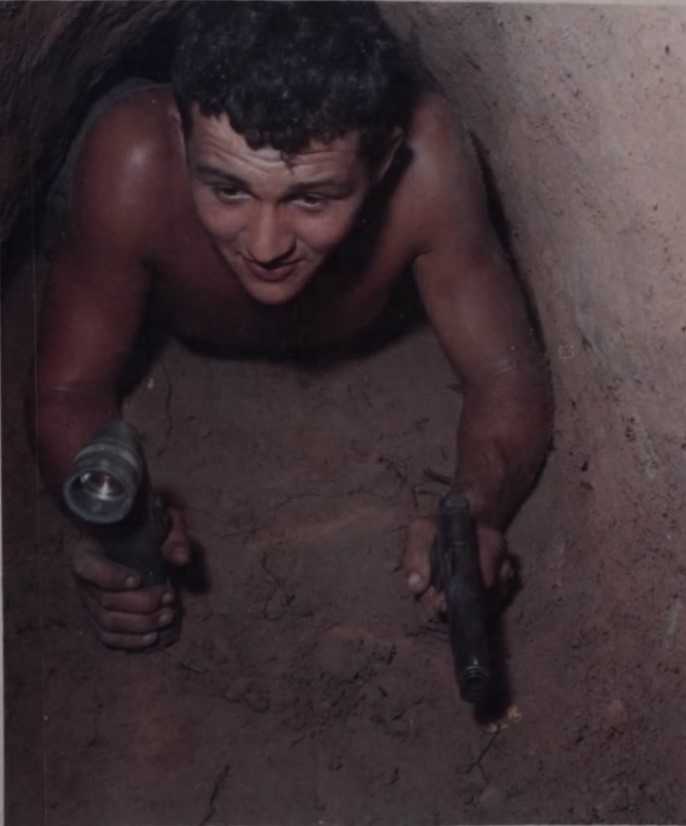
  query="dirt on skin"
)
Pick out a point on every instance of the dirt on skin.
point(306, 688)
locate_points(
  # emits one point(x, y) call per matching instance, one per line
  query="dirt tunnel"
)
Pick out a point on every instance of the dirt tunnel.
point(305, 688)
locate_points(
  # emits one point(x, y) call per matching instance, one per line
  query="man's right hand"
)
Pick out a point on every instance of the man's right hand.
point(495, 564)
point(123, 614)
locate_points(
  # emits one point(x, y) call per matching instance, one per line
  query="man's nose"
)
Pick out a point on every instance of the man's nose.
point(271, 239)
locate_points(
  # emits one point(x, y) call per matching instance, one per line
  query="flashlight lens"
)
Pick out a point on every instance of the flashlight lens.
point(101, 485)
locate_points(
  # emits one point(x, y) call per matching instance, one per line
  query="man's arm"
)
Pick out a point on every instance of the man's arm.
point(478, 313)
point(92, 310)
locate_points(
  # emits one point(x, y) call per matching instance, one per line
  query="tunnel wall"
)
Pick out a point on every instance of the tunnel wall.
point(580, 114)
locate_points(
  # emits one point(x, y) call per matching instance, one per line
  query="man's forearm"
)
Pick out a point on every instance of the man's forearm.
point(64, 419)
point(503, 435)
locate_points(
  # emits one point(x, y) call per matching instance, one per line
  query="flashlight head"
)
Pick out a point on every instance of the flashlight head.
point(105, 475)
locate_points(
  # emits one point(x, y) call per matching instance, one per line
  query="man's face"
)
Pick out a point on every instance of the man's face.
point(274, 223)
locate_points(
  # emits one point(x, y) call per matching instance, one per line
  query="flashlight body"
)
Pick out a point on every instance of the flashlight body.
point(455, 571)
point(135, 542)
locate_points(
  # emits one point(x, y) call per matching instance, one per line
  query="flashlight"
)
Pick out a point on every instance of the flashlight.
point(107, 487)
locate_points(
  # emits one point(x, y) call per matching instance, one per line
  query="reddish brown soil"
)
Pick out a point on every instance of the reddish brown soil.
point(305, 687)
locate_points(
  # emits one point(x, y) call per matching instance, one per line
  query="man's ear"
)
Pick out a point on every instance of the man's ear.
point(177, 124)
point(392, 143)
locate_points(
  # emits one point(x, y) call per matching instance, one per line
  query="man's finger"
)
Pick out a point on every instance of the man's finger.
point(125, 642)
point(433, 603)
point(90, 564)
point(416, 561)
point(176, 548)
point(124, 623)
point(141, 601)
point(492, 550)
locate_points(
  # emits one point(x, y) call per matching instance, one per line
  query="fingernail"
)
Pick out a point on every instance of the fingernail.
point(414, 580)
point(165, 618)
point(167, 598)
point(131, 582)
point(149, 639)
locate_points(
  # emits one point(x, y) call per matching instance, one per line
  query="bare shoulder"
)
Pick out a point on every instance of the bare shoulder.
point(444, 179)
point(439, 141)
point(127, 168)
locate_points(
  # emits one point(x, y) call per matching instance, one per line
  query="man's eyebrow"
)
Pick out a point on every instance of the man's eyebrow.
point(330, 185)
point(209, 171)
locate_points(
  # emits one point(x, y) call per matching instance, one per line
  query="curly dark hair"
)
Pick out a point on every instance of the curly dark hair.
point(287, 73)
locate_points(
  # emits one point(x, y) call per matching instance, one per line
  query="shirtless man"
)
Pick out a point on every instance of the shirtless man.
point(273, 197)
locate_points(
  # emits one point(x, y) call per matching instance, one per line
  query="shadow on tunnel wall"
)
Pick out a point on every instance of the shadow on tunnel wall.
point(59, 59)
point(503, 229)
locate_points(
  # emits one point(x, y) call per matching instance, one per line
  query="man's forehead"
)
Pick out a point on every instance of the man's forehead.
point(214, 135)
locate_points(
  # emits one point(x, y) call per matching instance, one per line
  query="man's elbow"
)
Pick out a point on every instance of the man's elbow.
point(61, 418)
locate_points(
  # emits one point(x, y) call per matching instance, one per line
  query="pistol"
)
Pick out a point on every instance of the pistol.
point(455, 571)
point(108, 488)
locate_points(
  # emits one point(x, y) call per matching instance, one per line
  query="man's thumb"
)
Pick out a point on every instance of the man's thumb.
point(416, 561)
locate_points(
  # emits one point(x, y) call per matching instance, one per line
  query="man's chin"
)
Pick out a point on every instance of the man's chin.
point(274, 292)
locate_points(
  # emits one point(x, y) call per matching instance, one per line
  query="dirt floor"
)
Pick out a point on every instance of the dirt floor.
point(306, 688)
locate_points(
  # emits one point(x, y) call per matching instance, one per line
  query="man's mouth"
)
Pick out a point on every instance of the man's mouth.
point(271, 273)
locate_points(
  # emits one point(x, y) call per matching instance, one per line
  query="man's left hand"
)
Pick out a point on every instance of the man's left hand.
point(496, 568)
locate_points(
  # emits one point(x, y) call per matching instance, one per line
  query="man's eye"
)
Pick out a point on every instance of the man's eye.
point(312, 201)
point(228, 193)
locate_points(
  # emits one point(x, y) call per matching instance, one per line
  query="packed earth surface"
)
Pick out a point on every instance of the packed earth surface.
point(306, 686)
